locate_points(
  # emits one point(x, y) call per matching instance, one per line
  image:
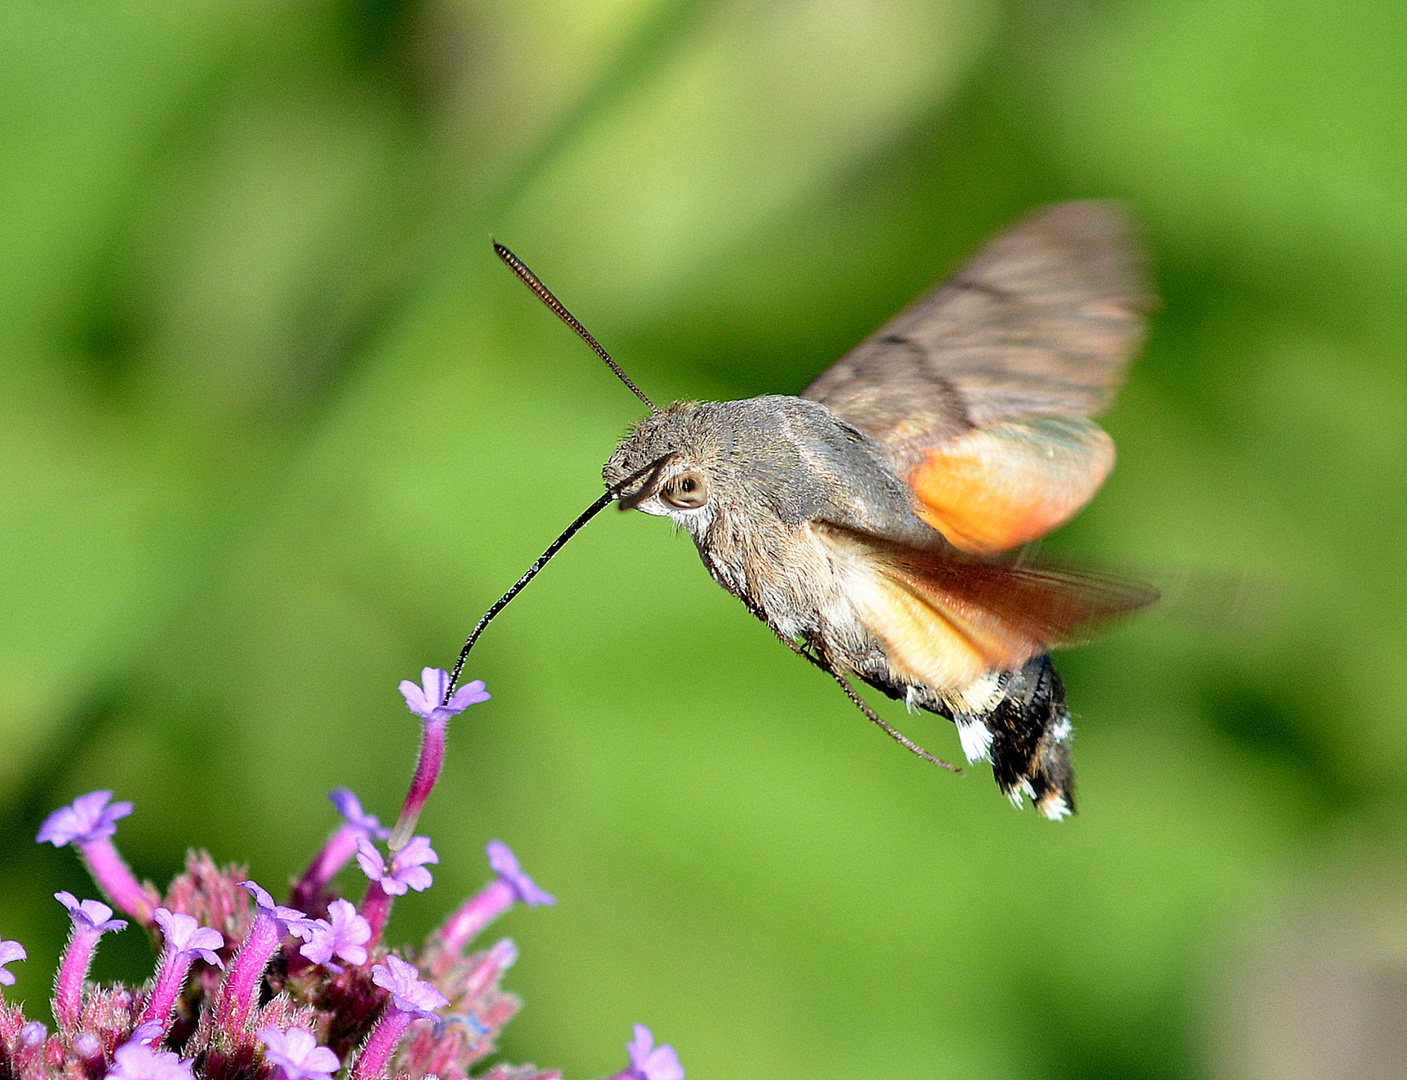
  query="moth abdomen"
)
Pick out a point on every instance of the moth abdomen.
point(1030, 749)
point(1017, 720)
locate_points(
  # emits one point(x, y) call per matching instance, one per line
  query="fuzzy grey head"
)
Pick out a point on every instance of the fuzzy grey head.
point(774, 461)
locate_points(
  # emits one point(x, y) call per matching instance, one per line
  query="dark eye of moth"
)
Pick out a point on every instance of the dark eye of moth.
point(686, 491)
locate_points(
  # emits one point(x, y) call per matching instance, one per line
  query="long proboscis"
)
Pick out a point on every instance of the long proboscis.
point(533, 282)
point(503, 601)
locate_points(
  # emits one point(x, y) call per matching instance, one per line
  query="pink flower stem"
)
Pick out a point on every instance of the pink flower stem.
point(115, 878)
point(68, 986)
point(246, 972)
point(427, 771)
point(170, 978)
point(381, 1044)
point(335, 854)
point(473, 915)
point(502, 956)
point(376, 909)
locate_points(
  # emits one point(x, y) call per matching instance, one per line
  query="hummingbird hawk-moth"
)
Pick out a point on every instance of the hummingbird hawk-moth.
point(876, 521)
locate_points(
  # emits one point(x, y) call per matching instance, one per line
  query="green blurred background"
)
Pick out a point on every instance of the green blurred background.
point(277, 427)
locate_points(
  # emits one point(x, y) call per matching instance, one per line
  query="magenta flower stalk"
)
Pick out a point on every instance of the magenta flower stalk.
point(440, 1058)
point(89, 824)
point(431, 702)
point(406, 871)
point(510, 887)
point(411, 999)
point(241, 989)
point(10, 951)
point(338, 850)
point(297, 1055)
point(501, 956)
point(648, 1061)
point(91, 920)
point(186, 941)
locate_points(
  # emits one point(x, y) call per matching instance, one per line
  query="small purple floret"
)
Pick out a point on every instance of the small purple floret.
point(350, 807)
point(343, 933)
point(136, 1061)
point(408, 991)
point(297, 1053)
point(92, 913)
point(425, 700)
point(10, 951)
point(185, 935)
point(147, 1032)
point(650, 1062)
point(407, 870)
point(290, 918)
point(90, 817)
point(505, 864)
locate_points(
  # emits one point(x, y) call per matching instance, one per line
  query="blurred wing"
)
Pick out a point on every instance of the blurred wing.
point(944, 618)
point(981, 391)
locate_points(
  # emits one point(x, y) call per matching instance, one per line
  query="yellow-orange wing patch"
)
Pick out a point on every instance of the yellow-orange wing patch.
point(945, 618)
point(994, 489)
point(980, 393)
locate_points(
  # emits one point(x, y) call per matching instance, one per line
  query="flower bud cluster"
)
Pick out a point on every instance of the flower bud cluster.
point(248, 989)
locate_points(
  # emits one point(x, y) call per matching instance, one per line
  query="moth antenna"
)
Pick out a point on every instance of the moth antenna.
point(503, 601)
point(533, 282)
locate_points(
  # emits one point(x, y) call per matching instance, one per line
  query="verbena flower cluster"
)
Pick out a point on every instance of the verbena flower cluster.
point(249, 989)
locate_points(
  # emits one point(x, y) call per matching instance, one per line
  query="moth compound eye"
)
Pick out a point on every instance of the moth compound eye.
point(687, 491)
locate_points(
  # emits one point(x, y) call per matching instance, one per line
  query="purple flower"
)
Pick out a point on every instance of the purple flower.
point(91, 920)
point(350, 807)
point(408, 991)
point(136, 1061)
point(407, 869)
point(291, 918)
point(505, 864)
point(297, 1053)
point(185, 935)
point(89, 824)
point(425, 701)
point(650, 1062)
point(146, 1032)
point(10, 951)
point(91, 913)
point(88, 818)
point(343, 933)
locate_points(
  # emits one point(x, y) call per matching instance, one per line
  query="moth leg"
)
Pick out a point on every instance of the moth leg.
point(819, 659)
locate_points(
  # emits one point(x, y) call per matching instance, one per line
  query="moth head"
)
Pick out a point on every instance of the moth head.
point(670, 466)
